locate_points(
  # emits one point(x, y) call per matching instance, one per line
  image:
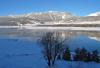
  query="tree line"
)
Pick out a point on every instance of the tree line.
point(81, 54)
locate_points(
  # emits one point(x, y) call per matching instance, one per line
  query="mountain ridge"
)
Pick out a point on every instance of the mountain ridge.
point(51, 17)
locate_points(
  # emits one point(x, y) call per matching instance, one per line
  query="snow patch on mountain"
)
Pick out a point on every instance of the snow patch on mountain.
point(94, 14)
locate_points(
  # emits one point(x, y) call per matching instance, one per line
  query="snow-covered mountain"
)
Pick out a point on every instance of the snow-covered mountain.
point(51, 17)
point(94, 14)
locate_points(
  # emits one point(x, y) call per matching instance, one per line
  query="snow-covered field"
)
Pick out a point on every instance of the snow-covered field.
point(74, 64)
point(20, 53)
point(26, 53)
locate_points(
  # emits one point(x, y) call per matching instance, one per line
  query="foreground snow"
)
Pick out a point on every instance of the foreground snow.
point(22, 53)
point(76, 64)
point(17, 53)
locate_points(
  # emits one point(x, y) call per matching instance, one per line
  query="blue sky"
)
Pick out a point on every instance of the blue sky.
point(76, 7)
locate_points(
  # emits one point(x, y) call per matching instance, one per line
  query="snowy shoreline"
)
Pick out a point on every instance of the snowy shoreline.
point(53, 28)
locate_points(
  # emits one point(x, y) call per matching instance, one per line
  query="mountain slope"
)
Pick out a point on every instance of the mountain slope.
point(51, 17)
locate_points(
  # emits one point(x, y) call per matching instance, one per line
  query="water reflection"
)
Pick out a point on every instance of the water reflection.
point(75, 38)
point(73, 42)
point(84, 42)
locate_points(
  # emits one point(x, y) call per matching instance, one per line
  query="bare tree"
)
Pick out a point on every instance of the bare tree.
point(53, 45)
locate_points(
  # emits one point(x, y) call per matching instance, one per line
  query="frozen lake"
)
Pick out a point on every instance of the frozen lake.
point(19, 47)
point(26, 53)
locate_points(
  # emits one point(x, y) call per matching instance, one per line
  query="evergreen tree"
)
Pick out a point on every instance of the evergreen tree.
point(89, 57)
point(77, 54)
point(95, 56)
point(67, 55)
point(83, 54)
